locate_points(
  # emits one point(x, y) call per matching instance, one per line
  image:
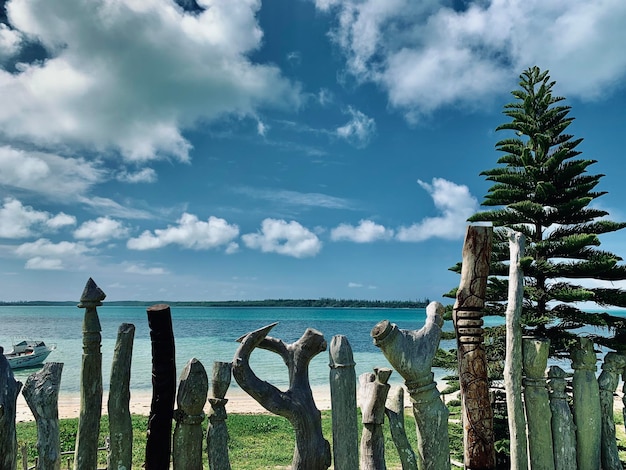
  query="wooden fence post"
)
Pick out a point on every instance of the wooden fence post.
point(86, 451)
point(394, 409)
point(120, 424)
point(343, 404)
point(608, 381)
point(217, 432)
point(9, 390)
point(159, 442)
point(563, 427)
point(373, 390)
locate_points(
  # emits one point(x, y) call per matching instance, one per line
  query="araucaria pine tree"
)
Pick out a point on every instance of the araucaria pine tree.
point(542, 189)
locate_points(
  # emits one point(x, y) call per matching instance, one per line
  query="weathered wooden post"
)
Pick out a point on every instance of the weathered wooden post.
point(343, 404)
point(411, 353)
point(312, 451)
point(41, 392)
point(478, 438)
point(538, 414)
point(394, 409)
point(9, 390)
point(563, 427)
point(217, 432)
point(373, 390)
point(192, 394)
point(513, 360)
point(613, 365)
point(587, 415)
point(159, 442)
point(86, 452)
point(120, 425)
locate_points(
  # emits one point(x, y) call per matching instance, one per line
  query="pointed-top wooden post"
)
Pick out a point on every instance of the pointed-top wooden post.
point(86, 453)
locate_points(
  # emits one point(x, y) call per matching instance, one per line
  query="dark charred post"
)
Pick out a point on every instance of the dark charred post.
point(411, 353)
point(478, 438)
point(9, 390)
point(608, 381)
point(159, 442)
point(343, 404)
point(41, 392)
point(373, 390)
point(563, 427)
point(394, 409)
point(86, 452)
point(312, 451)
point(192, 392)
point(217, 432)
point(120, 425)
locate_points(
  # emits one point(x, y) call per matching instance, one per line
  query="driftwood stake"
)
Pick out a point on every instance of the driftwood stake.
point(478, 438)
point(608, 381)
point(120, 425)
point(217, 432)
point(394, 409)
point(312, 451)
point(343, 404)
point(158, 444)
point(9, 390)
point(373, 390)
point(86, 452)
point(563, 427)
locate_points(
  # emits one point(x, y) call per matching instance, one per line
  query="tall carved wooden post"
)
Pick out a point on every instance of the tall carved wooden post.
point(538, 412)
point(159, 442)
point(120, 424)
point(312, 451)
point(394, 409)
point(587, 414)
point(343, 404)
point(192, 393)
point(9, 390)
point(86, 452)
point(411, 353)
point(478, 438)
point(217, 432)
point(613, 365)
point(373, 390)
point(563, 427)
point(41, 392)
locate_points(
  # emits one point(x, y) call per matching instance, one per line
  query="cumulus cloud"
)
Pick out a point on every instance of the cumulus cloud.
point(43, 254)
point(100, 230)
point(189, 233)
point(145, 175)
point(359, 130)
point(366, 232)
point(44, 264)
point(285, 238)
point(145, 271)
point(9, 42)
point(19, 221)
point(456, 205)
point(129, 76)
point(61, 220)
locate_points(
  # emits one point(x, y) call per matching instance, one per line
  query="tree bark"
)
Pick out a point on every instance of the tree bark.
point(608, 381)
point(217, 432)
point(394, 409)
point(9, 390)
point(563, 427)
point(373, 392)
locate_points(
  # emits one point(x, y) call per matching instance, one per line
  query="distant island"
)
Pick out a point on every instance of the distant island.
point(313, 303)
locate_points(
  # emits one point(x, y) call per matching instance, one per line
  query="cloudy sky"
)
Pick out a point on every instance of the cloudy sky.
point(239, 149)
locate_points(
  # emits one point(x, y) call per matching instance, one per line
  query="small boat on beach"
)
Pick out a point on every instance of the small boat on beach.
point(28, 353)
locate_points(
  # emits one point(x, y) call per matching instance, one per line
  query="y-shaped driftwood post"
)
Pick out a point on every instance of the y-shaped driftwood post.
point(312, 451)
point(411, 353)
point(563, 427)
point(217, 432)
point(9, 390)
point(343, 404)
point(120, 424)
point(41, 392)
point(373, 390)
point(192, 393)
point(394, 409)
point(86, 452)
point(478, 438)
point(613, 365)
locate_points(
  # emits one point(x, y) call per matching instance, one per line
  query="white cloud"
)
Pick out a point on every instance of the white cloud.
point(366, 232)
point(456, 205)
point(130, 75)
point(144, 271)
point(354, 285)
point(46, 255)
point(44, 264)
point(61, 220)
point(294, 198)
point(285, 238)
point(9, 42)
point(261, 128)
point(359, 130)
point(189, 233)
point(19, 221)
point(100, 230)
point(233, 247)
point(145, 175)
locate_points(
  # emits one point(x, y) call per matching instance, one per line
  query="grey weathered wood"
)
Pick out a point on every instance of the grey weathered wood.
point(9, 390)
point(411, 353)
point(478, 437)
point(120, 425)
point(343, 404)
point(608, 381)
point(373, 390)
point(513, 360)
point(587, 415)
point(86, 451)
point(563, 427)
point(538, 415)
point(41, 392)
point(192, 394)
point(217, 432)
point(312, 451)
point(394, 409)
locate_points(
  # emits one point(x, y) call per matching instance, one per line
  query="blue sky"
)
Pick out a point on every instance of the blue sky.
point(239, 149)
